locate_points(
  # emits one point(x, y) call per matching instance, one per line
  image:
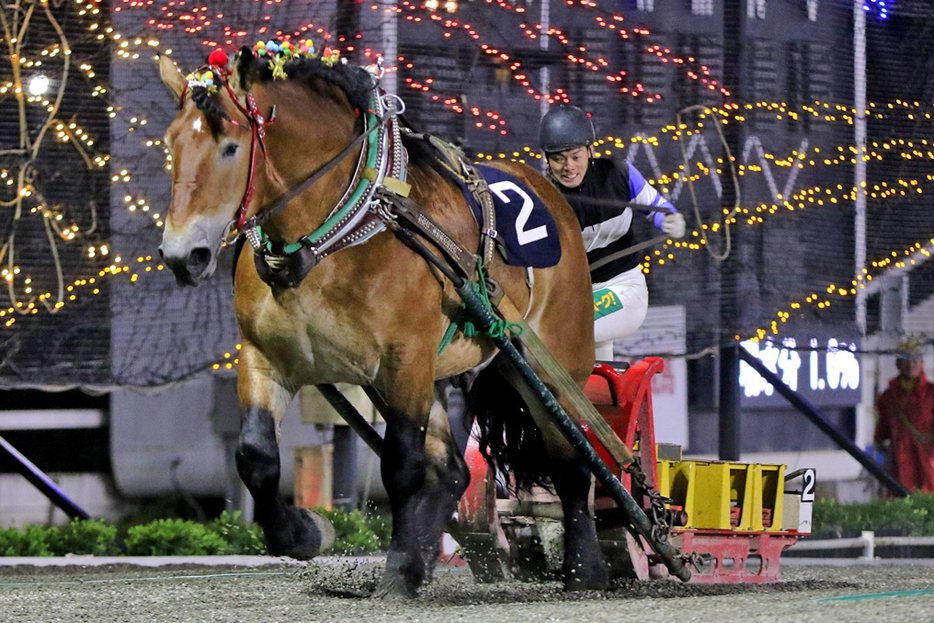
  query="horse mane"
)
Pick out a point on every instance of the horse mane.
point(212, 112)
point(355, 82)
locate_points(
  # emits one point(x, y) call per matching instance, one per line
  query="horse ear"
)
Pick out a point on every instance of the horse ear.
point(241, 79)
point(171, 75)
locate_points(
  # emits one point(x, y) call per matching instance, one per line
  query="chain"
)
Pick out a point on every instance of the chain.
point(694, 559)
point(658, 513)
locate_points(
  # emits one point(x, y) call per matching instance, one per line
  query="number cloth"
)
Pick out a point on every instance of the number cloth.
point(906, 416)
point(524, 225)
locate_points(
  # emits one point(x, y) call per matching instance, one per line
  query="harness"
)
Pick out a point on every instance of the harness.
point(355, 218)
point(376, 197)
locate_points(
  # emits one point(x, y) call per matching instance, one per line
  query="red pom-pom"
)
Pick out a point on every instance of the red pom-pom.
point(218, 58)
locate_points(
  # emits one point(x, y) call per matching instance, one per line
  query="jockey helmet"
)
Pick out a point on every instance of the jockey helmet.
point(565, 127)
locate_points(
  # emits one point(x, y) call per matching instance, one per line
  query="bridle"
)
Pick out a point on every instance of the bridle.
point(356, 217)
point(257, 124)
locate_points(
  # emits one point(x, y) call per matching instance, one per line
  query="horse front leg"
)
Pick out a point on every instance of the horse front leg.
point(289, 531)
point(424, 476)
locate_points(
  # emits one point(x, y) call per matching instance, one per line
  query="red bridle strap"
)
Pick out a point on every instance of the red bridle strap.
point(257, 125)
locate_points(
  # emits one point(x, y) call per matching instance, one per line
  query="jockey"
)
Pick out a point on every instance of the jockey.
point(597, 188)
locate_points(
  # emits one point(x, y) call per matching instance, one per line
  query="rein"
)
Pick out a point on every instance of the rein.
point(306, 183)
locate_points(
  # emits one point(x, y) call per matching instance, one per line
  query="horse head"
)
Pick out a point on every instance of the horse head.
point(222, 171)
point(209, 144)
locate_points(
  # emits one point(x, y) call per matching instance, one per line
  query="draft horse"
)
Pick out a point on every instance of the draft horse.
point(372, 314)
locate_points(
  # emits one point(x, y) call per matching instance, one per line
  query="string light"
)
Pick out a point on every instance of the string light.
point(197, 21)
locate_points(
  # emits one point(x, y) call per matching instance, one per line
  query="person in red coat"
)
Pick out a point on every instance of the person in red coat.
point(906, 420)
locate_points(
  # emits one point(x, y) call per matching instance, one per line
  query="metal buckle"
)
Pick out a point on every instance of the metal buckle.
point(392, 104)
point(252, 235)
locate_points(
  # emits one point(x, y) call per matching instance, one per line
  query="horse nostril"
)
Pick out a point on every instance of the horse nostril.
point(198, 260)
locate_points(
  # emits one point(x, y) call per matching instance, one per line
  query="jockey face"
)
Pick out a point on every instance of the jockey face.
point(569, 166)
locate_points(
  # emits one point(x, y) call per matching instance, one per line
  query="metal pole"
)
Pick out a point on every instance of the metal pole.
point(729, 431)
point(389, 35)
point(344, 478)
point(41, 482)
point(822, 423)
point(859, 171)
point(353, 418)
point(544, 77)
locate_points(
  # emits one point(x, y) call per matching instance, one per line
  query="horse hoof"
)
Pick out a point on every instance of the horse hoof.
point(302, 535)
point(326, 529)
point(394, 588)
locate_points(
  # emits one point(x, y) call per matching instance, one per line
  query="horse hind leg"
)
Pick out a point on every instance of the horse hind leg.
point(584, 566)
point(288, 531)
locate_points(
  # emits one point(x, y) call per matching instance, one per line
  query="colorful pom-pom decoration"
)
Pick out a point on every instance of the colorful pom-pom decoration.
point(331, 56)
point(281, 52)
point(218, 58)
point(204, 80)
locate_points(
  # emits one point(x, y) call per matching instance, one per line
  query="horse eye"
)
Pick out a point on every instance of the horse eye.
point(230, 150)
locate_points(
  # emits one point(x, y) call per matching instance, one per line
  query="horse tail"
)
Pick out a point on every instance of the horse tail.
point(509, 438)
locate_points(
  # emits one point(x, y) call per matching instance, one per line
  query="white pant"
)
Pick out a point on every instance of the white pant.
point(621, 304)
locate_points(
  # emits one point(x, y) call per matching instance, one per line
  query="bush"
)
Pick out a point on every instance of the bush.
point(913, 515)
point(355, 533)
point(83, 537)
point(241, 538)
point(174, 537)
point(30, 541)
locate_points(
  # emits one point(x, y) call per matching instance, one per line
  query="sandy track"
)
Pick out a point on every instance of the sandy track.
point(335, 591)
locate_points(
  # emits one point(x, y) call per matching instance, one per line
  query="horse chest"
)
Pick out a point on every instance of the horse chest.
point(309, 340)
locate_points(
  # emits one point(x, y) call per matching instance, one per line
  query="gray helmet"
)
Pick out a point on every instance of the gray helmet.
point(565, 127)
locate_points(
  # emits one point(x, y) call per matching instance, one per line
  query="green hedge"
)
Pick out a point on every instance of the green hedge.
point(910, 516)
point(228, 534)
point(357, 533)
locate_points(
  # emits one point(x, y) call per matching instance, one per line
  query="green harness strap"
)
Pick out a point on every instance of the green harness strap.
point(461, 318)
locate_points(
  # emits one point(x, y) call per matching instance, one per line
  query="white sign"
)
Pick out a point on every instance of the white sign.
point(829, 372)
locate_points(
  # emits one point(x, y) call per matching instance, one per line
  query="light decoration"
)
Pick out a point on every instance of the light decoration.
point(199, 20)
point(577, 56)
point(26, 197)
point(880, 6)
point(918, 149)
point(229, 359)
point(488, 120)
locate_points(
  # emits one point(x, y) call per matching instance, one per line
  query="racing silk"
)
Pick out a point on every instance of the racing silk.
point(606, 228)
